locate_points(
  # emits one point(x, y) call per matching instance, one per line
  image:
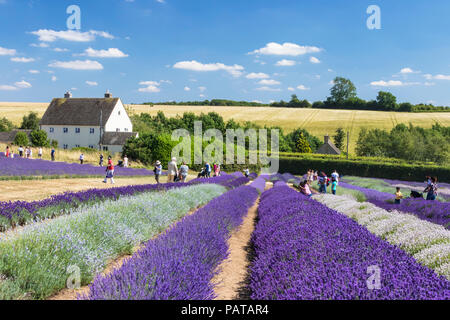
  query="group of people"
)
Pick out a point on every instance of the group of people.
point(431, 190)
point(322, 179)
point(174, 174)
point(26, 152)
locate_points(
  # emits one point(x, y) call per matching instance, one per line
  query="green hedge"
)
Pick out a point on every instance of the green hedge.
point(395, 171)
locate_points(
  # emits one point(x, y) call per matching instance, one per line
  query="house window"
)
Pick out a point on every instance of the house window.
point(126, 129)
point(52, 130)
point(118, 130)
point(65, 147)
point(119, 113)
point(77, 146)
point(92, 131)
point(105, 148)
point(91, 146)
point(77, 130)
point(65, 130)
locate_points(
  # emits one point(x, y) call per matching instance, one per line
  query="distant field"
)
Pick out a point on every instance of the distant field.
point(317, 121)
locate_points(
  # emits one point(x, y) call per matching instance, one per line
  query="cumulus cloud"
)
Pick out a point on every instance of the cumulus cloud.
point(110, 53)
point(259, 75)
point(46, 35)
point(406, 71)
point(7, 52)
point(314, 60)
point(265, 88)
point(235, 70)
point(152, 86)
point(285, 49)
point(392, 83)
point(7, 88)
point(33, 71)
point(285, 63)
point(302, 87)
point(269, 82)
point(187, 89)
point(92, 83)
point(77, 65)
point(437, 77)
point(22, 60)
point(40, 45)
point(202, 89)
point(23, 84)
point(54, 78)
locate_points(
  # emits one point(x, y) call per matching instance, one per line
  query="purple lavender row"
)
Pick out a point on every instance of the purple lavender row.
point(306, 251)
point(180, 264)
point(259, 184)
point(36, 167)
point(21, 212)
point(432, 211)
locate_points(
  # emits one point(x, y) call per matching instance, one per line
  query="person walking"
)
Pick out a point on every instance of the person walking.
point(30, 153)
point(247, 173)
point(183, 173)
point(172, 170)
point(20, 151)
point(125, 161)
point(398, 196)
point(335, 175)
point(334, 184)
point(40, 153)
point(431, 189)
point(208, 170)
point(217, 170)
point(109, 172)
point(7, 152)
point(81, 158)
point(322, 179)
point(157, 171)
point(52, 154)
point(101, 160)
point(27, 152)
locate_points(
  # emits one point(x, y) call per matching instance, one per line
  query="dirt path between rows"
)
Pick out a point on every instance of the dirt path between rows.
point(233, 271)
point(70, 294)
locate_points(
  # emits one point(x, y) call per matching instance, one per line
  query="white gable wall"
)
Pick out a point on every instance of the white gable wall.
point(73, 139)
point(119, 120)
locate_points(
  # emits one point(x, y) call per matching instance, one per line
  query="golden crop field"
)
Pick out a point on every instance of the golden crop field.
point(317, 121)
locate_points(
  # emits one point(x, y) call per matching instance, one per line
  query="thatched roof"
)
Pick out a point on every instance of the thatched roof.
point(116, 138)
point(79, 111)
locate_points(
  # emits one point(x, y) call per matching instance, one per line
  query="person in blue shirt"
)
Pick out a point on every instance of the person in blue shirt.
point(334, 186)
point(208, 170)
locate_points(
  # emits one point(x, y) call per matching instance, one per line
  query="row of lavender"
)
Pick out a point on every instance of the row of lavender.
point(433, 211)
point(305, 250)
point(180, 264)
point(20, 212)
point(21, 167)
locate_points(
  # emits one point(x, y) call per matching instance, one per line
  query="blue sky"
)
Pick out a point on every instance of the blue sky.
point(255, 50)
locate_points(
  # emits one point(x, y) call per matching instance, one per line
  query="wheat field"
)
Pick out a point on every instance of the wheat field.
point(319, 122)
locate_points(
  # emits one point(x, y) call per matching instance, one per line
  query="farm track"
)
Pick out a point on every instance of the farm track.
point(70, 294)
point(234, 270)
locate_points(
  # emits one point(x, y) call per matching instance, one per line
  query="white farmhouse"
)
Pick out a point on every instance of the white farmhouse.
point(96, 123)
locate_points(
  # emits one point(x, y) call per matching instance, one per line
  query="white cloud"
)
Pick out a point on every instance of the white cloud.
point(406, 71)
point(291, 89)
point(92, 83)
point(23, 84)
point(429, 84)
point(60, 50)
point(270, 82)
point(285, 49)
point(392, 83)
point(286, 63)
point(314, 60)
point(437, 77)
point(202, 96)
point(187, 89)
point(110, 53)
point(22, 60)
point(151, 86)
point(46, 35)
point(235, 70)
point(267, 89)
point(330, 70)
point(302, 87)
point(33, 71)
point(259, 75)
point(77, 65)
point(7, 52)
point(40, 45)
point(7, 88)
point(54, 78)
point(202, 89)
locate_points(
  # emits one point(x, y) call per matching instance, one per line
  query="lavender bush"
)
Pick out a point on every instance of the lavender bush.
point(259, 184)
point(21, 167)
point(305, 250)
point(180, 264)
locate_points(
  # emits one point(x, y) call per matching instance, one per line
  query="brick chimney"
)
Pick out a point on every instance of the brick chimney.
point(68, 95)
point(327, 139)
point(108, 94)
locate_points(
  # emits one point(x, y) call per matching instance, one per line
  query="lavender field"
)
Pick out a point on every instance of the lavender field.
point(26, 168)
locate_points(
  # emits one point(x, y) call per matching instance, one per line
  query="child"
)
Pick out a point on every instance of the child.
point(334, 186)
point(398, 196)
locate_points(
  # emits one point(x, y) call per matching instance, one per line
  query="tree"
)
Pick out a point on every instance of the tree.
point(30, 122)
point(339, 138)
point(387, 101)
point(39, 138)
point(21, 139)
point(342, 90)
point(303, 145)
point(6, 125)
